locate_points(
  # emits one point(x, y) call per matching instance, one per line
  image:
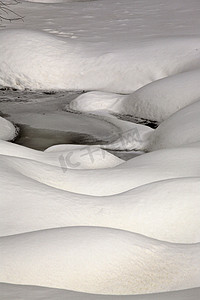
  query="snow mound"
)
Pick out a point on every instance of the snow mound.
point(155, 101)
point(24, 292)
point(65, 156)
point(180, 129)
point(151, 167)
point(35, 60)
point(166, 210)
point(96, 101)
point(7, 130)
point(99, 260)
point(160, 99)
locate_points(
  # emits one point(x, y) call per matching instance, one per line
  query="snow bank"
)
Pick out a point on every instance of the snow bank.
point(76, 258)
point(160, 99)
point(96, 101)
point(180, 129)
point(9, 291)
point(155, 166)
point(155, 101)
point(166, 210)
point(7, 130)
point(35, 60)
point(130, 135)
point(70, 157)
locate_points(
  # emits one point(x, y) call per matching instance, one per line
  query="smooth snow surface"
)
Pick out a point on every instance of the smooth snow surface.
point(7, 130)
point(147, 168)
point(181, 128)
point(25, 292)
point(76, 258)
point(166, 210)
point(67, 157)
point(160, 99)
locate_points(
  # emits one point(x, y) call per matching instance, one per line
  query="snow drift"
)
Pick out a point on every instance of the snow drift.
point(180, 129)
point(76, 258)
point(166, 210)
point(36, 60)
point(151, 167)
point(7, 130)
point(155, 101)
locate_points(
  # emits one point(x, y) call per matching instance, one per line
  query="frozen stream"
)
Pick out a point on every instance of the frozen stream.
point(43, 122)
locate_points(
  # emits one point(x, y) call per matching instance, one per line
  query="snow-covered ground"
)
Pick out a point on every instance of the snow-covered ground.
point(77, 219)
point(98, 260)
point(25, 292)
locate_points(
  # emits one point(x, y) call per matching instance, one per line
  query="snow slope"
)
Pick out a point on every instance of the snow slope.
point(35, 60)
point(76, 258)
point(151, 167)
point(66, 157)
point(180, 129)
point(166, 210)
point(155, 101)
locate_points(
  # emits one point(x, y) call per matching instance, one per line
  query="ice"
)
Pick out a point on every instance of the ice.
point(44, 123)
point(71, 157)
point(179, 129)
point(76, 258)
point(130, 135)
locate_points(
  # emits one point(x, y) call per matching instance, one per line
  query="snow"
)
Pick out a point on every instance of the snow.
point(70, 157)
point(158, 100)
point(155, 101)
point(76, 258)
point(7, 130)
point(151, 167)
point(95, 101)
point(77, 219)
point(180, 129)
point(166, 210)
point(130, 135)
point(36, 60)
point(25, 292)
